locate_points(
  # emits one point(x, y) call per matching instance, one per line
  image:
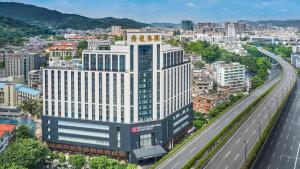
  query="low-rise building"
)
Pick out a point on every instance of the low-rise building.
point(231, 75)
point(203, 102)
point(12, 94)
point(34, 79)
point(7, 133)
point(295, 60)
point(62, 50)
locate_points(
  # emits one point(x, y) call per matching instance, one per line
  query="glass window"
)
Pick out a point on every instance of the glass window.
point(86, 61)
point(115, 62)
point(100, 62)
point(122, 62)
point(146, 140)
point(131, 57)
point(107, 63)
point(93, 62)
point(158, 56)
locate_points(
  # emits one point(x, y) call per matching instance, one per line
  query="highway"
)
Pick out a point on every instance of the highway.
point(282, 148)
point(185, 153)
point(233, 154)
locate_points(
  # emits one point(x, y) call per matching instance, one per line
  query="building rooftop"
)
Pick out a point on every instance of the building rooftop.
point(22, 88)
point(6, 128)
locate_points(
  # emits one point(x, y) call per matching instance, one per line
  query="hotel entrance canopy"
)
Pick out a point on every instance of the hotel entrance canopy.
point(149, 152)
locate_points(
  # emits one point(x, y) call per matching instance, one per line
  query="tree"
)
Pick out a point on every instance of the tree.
point(25, 152)
point(81, 45)
point(198, 64)
point(23, 132)
point(98, 162)
point(61, 158)
point(11, 166)
point(31, 106)
point(77, 161)
point(256, 81)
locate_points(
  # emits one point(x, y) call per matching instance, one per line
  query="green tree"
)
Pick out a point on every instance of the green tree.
point(256, 81)
point(31, 106)
point(77, 161)
point(98, 162)
point(198, 64)
point(80, 47)
point(23, 132)
point(25, 152)
point(61, 158)
point(11, 166)
point(198, 123)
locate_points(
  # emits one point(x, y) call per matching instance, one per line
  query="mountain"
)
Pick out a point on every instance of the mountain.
point(280, 23)
point(37, 15)
point(168, 25)
point(13, 31)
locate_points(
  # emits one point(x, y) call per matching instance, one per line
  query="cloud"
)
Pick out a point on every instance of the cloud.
point(191, 4)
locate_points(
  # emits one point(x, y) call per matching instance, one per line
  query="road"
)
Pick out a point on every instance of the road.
point(233, 154)
point(282, 148)
point(184, 154)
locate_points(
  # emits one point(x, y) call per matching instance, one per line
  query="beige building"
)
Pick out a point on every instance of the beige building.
point(116, 31)
point(12, 94)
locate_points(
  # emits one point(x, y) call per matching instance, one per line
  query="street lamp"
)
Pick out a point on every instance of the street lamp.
point(246, 143)
point(259, 130)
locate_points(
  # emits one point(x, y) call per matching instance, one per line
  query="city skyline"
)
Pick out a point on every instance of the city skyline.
point(174, 11)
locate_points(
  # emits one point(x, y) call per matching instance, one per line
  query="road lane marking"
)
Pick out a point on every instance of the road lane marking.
point(291, 148)
point(287, 137)
point(236, 156)
point(193, 149)
point(284, 146)
point(246, 131)
point(296, 160)
point(175, 165)
point(227, 154)
point(294, 138)
point(253, 132)
point(237, 141)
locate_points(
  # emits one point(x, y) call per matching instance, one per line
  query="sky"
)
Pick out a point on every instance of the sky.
point(173, 11)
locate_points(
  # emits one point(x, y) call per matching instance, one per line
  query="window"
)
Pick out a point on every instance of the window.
point(107, 63)
point(114, 62)
point(100, 62)
point(93, 62)
point(146, 140)
point(158, 56)
point(86, 61)
point(131, 57)
point(122, 62)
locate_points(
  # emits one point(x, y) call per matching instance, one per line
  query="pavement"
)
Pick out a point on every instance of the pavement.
point(234, 153)
point(281, 150)
point(185, 153)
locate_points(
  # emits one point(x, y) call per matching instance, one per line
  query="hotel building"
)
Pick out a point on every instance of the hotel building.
point(132, 101)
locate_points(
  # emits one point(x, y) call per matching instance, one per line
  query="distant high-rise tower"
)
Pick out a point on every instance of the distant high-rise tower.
point(187, 25)
point(231, 30)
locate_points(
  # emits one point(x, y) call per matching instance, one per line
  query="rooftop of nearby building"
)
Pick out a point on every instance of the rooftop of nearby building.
point(6, 128)
point(21, 88)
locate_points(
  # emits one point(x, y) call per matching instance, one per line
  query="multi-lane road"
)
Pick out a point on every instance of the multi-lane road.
point(185, 153)
point(281, 150)
point(233, 154)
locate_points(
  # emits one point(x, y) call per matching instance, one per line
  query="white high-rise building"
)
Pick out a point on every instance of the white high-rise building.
point(231, 75)
point(132, 97)
point(231, 30)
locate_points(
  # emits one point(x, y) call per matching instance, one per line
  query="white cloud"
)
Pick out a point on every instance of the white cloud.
point(190, 4)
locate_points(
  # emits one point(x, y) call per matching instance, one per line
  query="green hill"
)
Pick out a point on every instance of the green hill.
point(43, 16)
point(14, 32)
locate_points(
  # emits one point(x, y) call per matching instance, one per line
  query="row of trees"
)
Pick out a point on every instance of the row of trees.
point(77, 161)
point(26, 152)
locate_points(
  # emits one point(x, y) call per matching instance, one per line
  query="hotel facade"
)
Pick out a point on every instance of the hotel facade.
point(132, 101)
